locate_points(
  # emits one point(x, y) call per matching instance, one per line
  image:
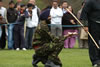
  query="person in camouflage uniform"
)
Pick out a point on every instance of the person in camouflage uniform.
point(47, 47)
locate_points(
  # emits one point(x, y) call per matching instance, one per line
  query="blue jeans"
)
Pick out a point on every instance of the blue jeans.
point(10, 36)
point(29, 37)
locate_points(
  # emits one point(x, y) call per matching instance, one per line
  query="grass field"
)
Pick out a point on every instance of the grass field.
point(69, 57)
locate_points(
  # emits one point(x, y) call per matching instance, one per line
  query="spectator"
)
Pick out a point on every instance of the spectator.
point(19, 29)
point(69, 20)
point(56, 18)
point(31, 24)
point(34, 3)
point(2, 21)
point(64, 6)
point(2, 28)
point(45, 15)
point(83, 36)
point(18, 3)
point(11, 18)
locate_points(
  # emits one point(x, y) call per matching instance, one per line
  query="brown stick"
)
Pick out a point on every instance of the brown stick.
point(83, 28)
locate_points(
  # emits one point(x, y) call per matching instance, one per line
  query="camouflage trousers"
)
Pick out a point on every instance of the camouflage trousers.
point(51, 50)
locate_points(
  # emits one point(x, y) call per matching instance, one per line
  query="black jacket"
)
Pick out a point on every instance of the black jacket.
point(12, 15)
point(21, 19)
point(91, 11)
point(66, 20)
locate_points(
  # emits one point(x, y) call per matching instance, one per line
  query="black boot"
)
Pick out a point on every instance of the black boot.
point(35, 65)
point(35, 61)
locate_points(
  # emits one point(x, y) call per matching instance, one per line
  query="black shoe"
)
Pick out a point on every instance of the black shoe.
point(35, 61)
point(34, 65)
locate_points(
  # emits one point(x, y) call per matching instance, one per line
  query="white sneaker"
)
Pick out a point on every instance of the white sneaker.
point(17, 49)
point(24, 49)
point(95, 65)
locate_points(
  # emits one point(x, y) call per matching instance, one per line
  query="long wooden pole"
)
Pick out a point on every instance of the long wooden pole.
point(83, 28)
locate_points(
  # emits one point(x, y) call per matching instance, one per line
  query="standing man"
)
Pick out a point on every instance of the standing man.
point(56, 14)
point(64, 6)
point(19, 28)
point(91, 17)
point(2, 28)
point(31, 24)
point(11, 18)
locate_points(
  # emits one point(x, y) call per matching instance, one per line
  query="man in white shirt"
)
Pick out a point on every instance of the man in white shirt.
point(56, 14)
point(2, 28)
point(31, 24)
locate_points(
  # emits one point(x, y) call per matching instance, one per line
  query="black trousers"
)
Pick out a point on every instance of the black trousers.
point(3, 38)
point(19, 39)
point(94, 52)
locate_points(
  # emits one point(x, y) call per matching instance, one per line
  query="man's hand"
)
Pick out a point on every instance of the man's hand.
point(22, 14)
point(86, 29)
point(30, 15)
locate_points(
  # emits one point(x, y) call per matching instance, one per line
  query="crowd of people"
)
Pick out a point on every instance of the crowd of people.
point(19, 22)
point(12, 23)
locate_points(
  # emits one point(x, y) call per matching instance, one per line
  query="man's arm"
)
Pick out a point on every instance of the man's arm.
point(5, 15)
point(85, 13)
point(26, 14)
point(53, 14)
point(60, 14)
point(3, 21)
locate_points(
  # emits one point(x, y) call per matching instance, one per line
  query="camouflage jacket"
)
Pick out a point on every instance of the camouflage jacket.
point(41, 37)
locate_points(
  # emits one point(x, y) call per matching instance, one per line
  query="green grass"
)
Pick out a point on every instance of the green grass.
point(69, 57)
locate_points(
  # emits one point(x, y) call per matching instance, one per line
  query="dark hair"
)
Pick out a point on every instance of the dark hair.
point(0, 0)
point(11, 2)
point(30, 5)
point(82, 3)
point(64, 2)
point(22, 5)
point(48, 7)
